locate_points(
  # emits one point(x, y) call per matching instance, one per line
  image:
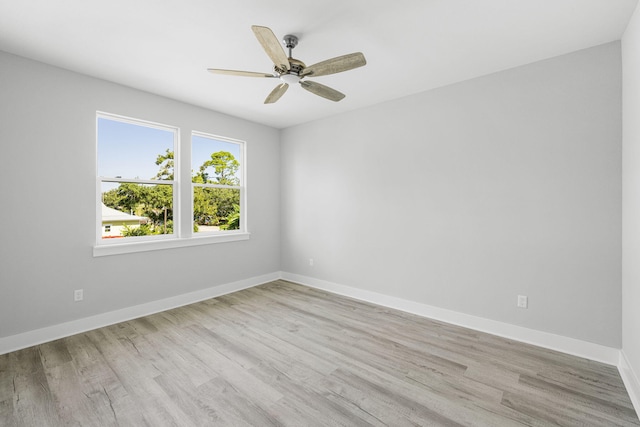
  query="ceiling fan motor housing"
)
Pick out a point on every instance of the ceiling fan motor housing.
point(296, 66)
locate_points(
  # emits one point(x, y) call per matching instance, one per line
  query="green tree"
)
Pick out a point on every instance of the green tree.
point(141, 230)
point(205, 208)
point(233, 220)
point(130, 196)
point(158, 206)
point(225, 166)
point(224, 199)
point(166, 163)
point(212, 206)
point(111, 198)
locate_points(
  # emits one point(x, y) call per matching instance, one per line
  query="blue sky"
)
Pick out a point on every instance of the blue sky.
point(130, 151)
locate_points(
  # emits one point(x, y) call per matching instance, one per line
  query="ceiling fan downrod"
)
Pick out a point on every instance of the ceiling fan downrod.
point(290, 41)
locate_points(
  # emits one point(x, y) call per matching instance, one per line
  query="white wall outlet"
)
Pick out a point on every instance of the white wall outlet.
point(523, 301)
point(78, 295)
point(311, 262)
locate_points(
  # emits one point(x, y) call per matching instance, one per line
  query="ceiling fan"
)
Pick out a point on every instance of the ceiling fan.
point(290, 70)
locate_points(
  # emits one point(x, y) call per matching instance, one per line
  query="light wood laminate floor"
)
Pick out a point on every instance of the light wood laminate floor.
point(285, 354)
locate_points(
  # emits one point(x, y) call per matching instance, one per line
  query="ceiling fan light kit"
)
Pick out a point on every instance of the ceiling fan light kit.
point(291, 71)
point(290, 78)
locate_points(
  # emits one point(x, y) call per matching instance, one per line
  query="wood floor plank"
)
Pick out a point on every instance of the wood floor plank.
point(282, 354)
point(31, 386)
point(6, 413)
point(234, 407)
point(598, 407)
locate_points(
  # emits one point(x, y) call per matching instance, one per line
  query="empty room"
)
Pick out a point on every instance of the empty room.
point(337, 213)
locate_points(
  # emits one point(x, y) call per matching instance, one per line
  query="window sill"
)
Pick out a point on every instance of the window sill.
point(127, 248)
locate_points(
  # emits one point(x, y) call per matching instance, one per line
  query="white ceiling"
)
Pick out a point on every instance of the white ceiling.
point(165, 47)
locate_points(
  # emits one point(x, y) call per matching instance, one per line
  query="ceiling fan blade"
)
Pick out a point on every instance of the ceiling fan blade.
point(322, 90)
point(271, 46)
point(276, 93)
point(335, 65)
point(239, 73)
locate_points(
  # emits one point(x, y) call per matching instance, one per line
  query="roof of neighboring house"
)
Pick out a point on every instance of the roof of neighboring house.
point(114, 215)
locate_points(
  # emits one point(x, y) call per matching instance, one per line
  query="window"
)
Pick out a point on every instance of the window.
point(216, 169)
point(135, 169)
point(142, 204)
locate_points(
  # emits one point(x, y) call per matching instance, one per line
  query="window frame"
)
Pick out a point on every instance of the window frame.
point(182, 236)
point(241, 187)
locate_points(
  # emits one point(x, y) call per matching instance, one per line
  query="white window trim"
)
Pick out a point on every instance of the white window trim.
point(180, 238)
point(168, 243)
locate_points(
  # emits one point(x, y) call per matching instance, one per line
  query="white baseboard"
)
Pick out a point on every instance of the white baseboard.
point(548, 340)
point(50, 333)
point(631, 380)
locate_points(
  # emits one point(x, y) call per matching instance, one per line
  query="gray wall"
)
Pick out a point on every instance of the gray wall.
point(631, 196)
point(461, 198)
point(47, 188)
point(466, 196)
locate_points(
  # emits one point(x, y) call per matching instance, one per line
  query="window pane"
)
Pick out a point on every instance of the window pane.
point(130, 210)
point(216, 209)
point(214, 161)
point(127, 150)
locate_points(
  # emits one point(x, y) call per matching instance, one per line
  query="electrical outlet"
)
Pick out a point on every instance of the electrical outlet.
point(523, 301)
point(78, 295)
point(311, 262)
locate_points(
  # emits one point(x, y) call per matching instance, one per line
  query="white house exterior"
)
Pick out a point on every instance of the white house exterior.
point(114, 222)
